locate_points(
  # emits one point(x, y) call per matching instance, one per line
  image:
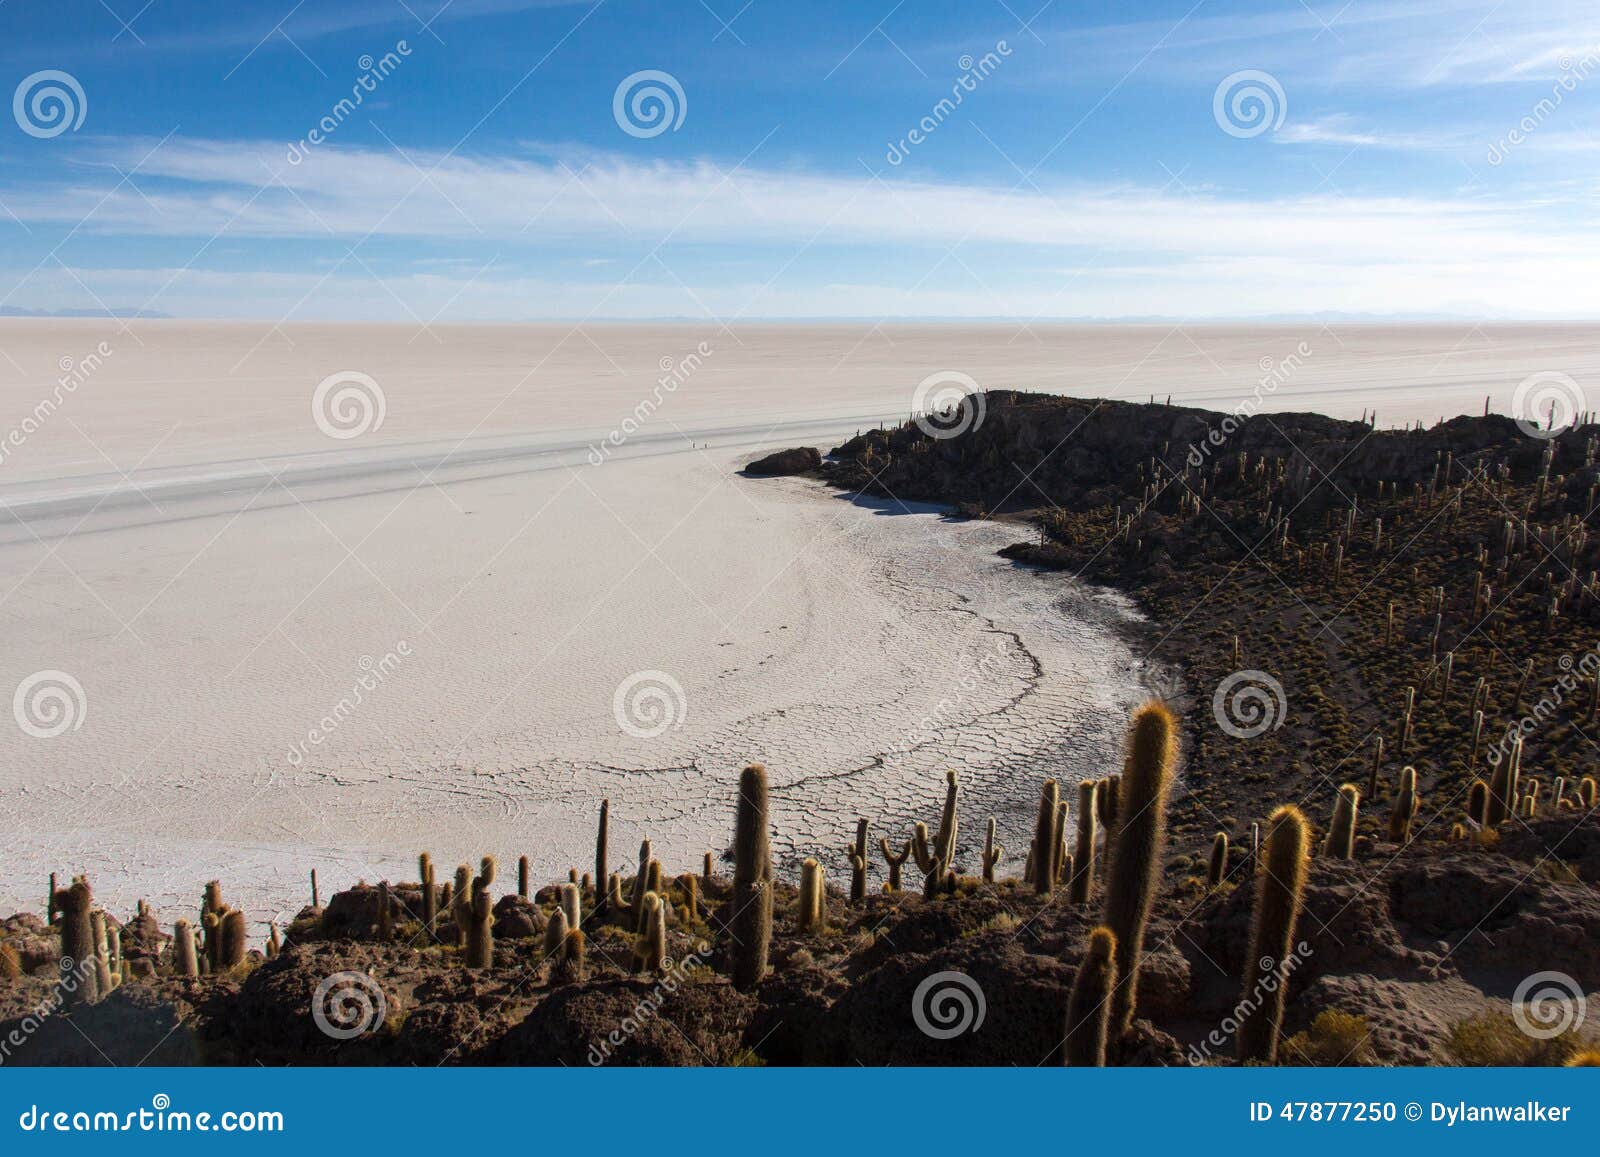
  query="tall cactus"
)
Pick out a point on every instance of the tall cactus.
point(991, 852)
point(235, 936)
point(104, 982)
point(1044, 839)
point(1081, 887)
point(1503, 786)
point(921, 849)
point(184, 959)
point(522, 877)
point(1089, 1003)
point(555, 932)
point(1478, 802)
point(74, 905)
point(944, 846)
point(572, 904)
point(810, 907)
point(1406, 802)
point(430, 897)
point(752, 881)
point(602, 855)
point(895, 862)
point(857, 854)
point(1217, 870)
point(1280, 891)
point(1141, 839)
point(650, 950)
point(1341, 841)
point(385, 917)
point(479, 912)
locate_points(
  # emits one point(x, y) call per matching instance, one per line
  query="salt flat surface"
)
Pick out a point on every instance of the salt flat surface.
point(302, 651)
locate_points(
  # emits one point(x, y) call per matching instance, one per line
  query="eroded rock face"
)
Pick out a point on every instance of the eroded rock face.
point(796, 461)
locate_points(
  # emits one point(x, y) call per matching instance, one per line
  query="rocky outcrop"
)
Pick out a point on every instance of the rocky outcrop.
point(784, 462)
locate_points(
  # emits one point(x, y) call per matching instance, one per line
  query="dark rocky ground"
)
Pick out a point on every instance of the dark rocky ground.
point(1413, 951)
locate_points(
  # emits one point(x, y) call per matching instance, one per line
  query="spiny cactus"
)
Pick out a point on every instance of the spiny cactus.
point(211, 901)
point(895, 862)
point(571, 962)
point(650, 953)
point(991, 852)
point(944, 845)
point(572, 904)
point(385, 919)
point(430, 896)
point(74, 906)
point(691, 897)
point(235, 937)
point(50, 902)
point(1458, 832)
point(211, 941)
point(1141, 838)
point(274, 942)
point(1080, 888)
point(184, 957)
point(1341, 841)
point(652, 877)
point(1062, 870)
point(555, 931)
point(1044, 840)
point(752, 881)
point(1089, 1003)
point(461, 903)
point(316, 898)
point(1503, 786)
point(104, 982)
point(809, 914)
point(602, 854)
point(641, 881)
point(921, 849)
point(1106, 801)
point(1280, 890)
point(706, 871)
point(1217, 870)
point(479, 911)
point(857, 854)
point(614, 901)
point(1405, 808)
point(1586, 792)
point(1477, 802)
point(522, 876)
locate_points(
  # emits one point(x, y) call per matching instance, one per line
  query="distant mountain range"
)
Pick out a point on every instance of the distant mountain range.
point(16, 311)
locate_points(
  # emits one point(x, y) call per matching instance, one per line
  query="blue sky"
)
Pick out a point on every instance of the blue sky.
point(1409, 157)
